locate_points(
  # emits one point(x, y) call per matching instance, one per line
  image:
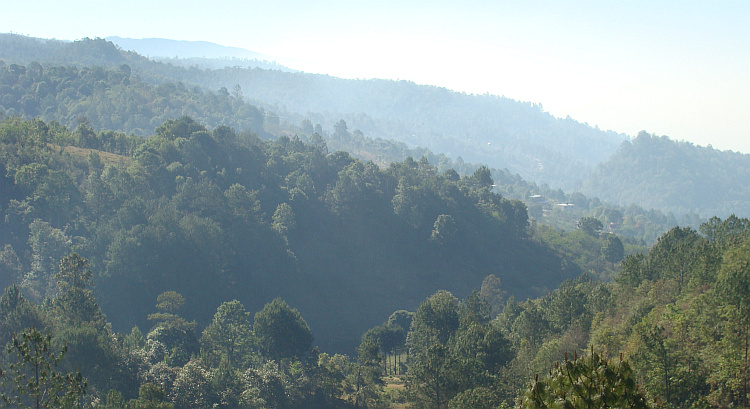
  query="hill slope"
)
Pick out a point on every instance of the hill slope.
point(218, 216)
point(674, 176)
point(487, 129)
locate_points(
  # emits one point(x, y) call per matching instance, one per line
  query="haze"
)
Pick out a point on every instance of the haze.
point(670, 68)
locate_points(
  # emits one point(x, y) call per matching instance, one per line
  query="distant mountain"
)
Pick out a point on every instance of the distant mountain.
point(657, 172)
point(494, 130)
point(160, 47)
point(201, 54)
point(505, 134)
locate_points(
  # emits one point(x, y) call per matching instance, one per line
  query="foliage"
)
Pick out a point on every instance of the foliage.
point(281, 332)
point(590, 226)
point(587, 382)
point(454, 350)
point(678, 177)
point(32, 378)
point(114, 98)
point(217, 215)
point(229, 336)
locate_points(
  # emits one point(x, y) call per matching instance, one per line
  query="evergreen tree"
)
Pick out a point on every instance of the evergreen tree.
point(585, 383)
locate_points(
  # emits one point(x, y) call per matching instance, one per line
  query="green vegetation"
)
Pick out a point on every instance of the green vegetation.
point(169, 261)
point(114, 98)
point(589, 382)
point(677, 177)
point(670, 331)
point(216, 216)
point(480, 128)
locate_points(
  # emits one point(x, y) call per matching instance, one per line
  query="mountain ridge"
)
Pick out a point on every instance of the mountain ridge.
point(164, 47)
point(495, 130)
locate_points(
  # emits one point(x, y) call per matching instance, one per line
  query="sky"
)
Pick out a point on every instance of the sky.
point(675, 68)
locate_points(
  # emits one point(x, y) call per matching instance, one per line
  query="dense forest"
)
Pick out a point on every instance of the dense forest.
point(99, 226)
point(214, 214)
point(167, 246)
point(497, 131)
point(127, 92)
point(674, 176)
point(669, 331)
point(115, 99)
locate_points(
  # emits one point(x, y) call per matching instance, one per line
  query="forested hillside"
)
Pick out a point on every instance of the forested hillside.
point(674, 176)
point(676, 315)
point(165, 246)
point(114, 99)
point(480, 128)
point(497, 131)
point(216, 216)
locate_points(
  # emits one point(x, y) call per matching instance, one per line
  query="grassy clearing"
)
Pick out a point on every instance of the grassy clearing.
point(83, 154)
point(395, 388)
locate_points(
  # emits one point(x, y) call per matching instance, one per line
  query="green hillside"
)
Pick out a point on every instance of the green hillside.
point(218, 216)
point(497, 131)
point(678, 177)
point(167, 246)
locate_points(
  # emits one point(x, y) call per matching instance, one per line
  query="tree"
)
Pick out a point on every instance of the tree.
point(306, 127)
point(150, 396)
point(16, 313)
point(317, 141)
point(659, 358)
point(733, 286)
point(435, 321)
point(34, 380)
point(566, 305)
point(229, 335)
point(10, 265)
point(481, 397)
point(168, 303)
point(76, 305)
point(175, 333)
point(48, 245)
point(446, 353)
point(612, 249)
point(443, 230)
point(192, 388)
point(478, 353)
point(284, 219)
point(674, 255)
point(482, 177)
point(74, 272)
point(632, 271)
point(530, 326)
point(401, 318)
point(268, 387)
point(432, 376)
point(389, 338)
point(243, 203)
point(340, 129)
point(474, 310)
point(368, 370)
point(590, 226)
point(281, 332)
point(182, 127)
point(492, 292)
point(585, 383)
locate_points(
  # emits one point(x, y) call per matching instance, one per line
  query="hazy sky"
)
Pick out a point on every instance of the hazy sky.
point(676, 68)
